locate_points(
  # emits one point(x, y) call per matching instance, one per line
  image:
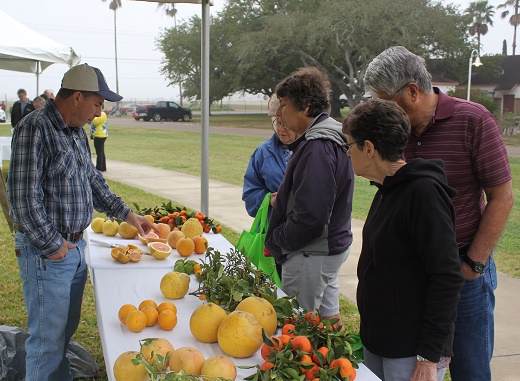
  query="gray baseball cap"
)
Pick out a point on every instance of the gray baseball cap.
point(87, 78)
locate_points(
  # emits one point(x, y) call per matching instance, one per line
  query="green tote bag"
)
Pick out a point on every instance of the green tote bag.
point(251, 242)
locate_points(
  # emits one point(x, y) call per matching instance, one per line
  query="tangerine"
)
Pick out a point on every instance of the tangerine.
point(151, 315)
point(344, 364)
point(147, 302)
point(289, 330)
point(303, 343)
point(324, 351)
point(267, 365)
point(305, 359)
point(166, 306)
point(167, 320)
point(312, 317)
point(136, 321)
point(124, 310)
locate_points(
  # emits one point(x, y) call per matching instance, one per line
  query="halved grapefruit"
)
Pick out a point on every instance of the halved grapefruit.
point(159, 250)
point(143, 238)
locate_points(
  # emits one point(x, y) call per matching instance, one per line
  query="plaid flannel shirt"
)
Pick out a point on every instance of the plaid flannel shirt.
point(53, 186)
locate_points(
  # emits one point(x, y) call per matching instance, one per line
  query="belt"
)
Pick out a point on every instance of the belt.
point(73, 237)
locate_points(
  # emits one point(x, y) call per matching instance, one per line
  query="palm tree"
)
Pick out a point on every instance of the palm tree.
point(170, 10)
point(114, 5)
point(515, 18)
point(481, 13)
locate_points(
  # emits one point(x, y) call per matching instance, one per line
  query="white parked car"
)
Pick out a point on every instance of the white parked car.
point(2, 116)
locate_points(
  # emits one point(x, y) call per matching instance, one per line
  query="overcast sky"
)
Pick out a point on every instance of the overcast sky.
point(88, 27)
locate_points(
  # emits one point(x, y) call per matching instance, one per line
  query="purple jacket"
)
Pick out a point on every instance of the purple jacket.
point(312, 212)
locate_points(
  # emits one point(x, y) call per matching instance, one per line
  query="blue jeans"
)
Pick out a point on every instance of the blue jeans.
point(53, 292)
point(475, 328)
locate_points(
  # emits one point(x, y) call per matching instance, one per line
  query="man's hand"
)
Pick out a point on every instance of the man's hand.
point(143, 224)
point(424, 371)
point(62, 252)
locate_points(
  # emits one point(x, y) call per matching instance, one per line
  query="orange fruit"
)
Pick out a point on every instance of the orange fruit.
point(312, 317)
point(324, 352)
point(151, 315)
point(167, 320)
point(285, 339)
point(136, 321)
point(267, 365)
point(147, 302)
point(166, 306)
point(301, 342)
point(344, 364)
point(201, 244)
point(353, 374)
point(185, 247)
point(288, 329)
point(124, 310)
point(312, 373)
point(266, 349)
point(306, 359)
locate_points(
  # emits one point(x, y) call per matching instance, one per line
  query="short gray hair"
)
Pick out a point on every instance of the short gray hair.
point(394, 68)
point(39, 101)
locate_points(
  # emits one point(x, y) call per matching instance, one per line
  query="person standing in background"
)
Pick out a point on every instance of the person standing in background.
point(38, 102)
point(267, 164)
point(21, 107)
point(99, 132)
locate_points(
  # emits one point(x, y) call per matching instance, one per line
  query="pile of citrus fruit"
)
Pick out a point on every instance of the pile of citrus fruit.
point(310, 348)
point(157, 355)
point(148, 314)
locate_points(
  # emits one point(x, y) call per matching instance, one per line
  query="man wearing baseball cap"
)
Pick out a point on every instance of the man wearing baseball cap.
point(53, 188)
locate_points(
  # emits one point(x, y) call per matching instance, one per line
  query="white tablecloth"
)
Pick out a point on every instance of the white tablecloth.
point(5, 149)
point(117, 284)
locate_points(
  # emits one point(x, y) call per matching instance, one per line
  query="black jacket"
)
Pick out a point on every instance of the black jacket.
point(409, 267)
point(16, 112)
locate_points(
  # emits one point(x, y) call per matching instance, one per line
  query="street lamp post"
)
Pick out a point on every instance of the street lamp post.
point(477, 63)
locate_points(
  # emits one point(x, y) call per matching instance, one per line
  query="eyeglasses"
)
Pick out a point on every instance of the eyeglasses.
point(277, 124)
point(398, 91)
point(346, 146)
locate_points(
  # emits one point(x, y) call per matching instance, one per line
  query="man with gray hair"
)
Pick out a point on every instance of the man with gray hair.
point(38, 102)
point(466, 136)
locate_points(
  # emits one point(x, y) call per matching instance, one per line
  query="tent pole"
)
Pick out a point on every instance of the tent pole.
point(204, 176)
point(37, 77)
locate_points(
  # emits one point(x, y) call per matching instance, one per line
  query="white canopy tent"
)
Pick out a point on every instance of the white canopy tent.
point(24, 50)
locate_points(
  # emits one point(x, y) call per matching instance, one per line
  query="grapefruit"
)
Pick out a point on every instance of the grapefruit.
point(240, 334)
point(175, 236)
point(124, 370)
point(164, 230)
point(159, 250)
point(188, 359)
point(205, 320)
point(143, 238)
point(263, 310)
point(175, 285)
point(151, 348)
point(218, 366)
point(110, 228)
point(97, 224)
point(127, 231)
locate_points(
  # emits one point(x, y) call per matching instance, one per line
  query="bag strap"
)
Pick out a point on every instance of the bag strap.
point(261, 222)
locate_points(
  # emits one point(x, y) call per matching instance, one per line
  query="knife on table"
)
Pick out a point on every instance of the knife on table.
point(112, 245)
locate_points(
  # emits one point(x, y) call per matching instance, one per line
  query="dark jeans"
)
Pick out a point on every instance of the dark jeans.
point(101, 162)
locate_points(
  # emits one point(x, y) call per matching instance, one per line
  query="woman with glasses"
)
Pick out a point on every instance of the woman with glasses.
point(409, 268)
point(267, 164)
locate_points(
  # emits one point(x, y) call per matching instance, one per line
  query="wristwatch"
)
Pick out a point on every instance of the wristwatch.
point(422, 359)
point(477, 267)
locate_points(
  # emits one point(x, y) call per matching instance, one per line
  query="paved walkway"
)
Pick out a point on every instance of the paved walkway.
point(226, 206)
